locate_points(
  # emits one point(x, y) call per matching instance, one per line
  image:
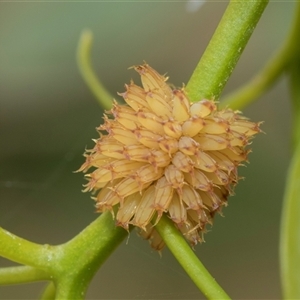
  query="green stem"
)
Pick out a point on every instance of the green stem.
point(290, 222)
point(87, 72)
point(224, 49)
point(260, 83)
point(84, 254)
point(24, 252)
point(269, 73)
point(188, 260)
point(290, 229)
point(207, 81)
point(294, 72)
point(21, 274)
point(71, 265)
point(49, 292)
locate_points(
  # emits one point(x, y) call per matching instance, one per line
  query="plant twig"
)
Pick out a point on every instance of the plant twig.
point(290, 228)
point(188, 260)
point(290, 222)
point(224, 49)
point(83, 255)
point(269, 73)
point(84, 63)
point(25, 252)
point(49, 292)
point(21, 274)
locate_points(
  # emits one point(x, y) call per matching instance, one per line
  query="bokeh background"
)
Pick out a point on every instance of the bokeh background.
point(48, 116)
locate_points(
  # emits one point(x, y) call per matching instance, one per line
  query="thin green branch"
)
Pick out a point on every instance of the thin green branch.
point(270, 72)
point(188, 260)
point(25, 252)
point(294, 77)
point(260, 83)
point(290, 222)
point(22, 274)
point(87, 72)
point(224, 49)
point(49, 292)
point(290, 229)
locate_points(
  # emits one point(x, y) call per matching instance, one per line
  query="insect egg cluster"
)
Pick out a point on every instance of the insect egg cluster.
point(163, 154)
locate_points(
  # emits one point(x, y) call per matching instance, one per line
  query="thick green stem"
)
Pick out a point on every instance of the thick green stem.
point(71, 265)
point(84, 254)
point(188, 260)
point(224, 49)
point(87, 72)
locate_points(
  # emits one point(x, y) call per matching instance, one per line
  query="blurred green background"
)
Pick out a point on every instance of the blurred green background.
point(48, 116)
